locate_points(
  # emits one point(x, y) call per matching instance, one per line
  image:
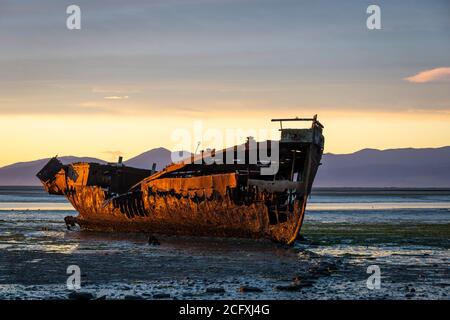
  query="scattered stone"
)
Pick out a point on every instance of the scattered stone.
point(249, 289)
point(74, 295)
point(161, 296)
point(215, 290)
point(153, 241)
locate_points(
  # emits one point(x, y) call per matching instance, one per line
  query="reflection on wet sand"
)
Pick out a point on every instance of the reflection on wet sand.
point(410, 245)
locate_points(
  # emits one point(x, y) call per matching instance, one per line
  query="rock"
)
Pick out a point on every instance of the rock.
point(161, 296)
point(74, 295)
point(153, 241)
point(70, 221)
point(249, 289)
point(215, 290)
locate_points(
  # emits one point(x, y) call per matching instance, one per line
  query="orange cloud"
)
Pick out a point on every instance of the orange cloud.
point(432, 75)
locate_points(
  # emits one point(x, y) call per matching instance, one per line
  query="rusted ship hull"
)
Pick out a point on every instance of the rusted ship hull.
point(195, 198)
point(221, 218)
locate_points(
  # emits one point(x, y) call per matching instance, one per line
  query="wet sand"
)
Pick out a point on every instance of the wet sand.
point(410, 246)
point(126, 266)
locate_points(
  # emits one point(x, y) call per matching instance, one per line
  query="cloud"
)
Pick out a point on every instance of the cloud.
point(114, 90)
point(116, 97)
point(113, 154)
point(432, 75)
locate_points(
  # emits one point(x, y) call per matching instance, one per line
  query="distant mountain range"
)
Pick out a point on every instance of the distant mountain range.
point(24, 173)
point(161, 156)
point(401, 168)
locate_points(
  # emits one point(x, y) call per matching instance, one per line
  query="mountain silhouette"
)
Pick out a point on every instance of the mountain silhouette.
point(401, 168)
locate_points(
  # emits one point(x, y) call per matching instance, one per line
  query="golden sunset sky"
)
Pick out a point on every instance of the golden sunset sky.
point(137, 72)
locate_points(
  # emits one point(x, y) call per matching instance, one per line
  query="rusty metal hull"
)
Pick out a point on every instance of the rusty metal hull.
point(222, 201)
point(170, 215)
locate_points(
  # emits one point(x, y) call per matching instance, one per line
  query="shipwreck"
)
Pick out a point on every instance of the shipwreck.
point(227, 193)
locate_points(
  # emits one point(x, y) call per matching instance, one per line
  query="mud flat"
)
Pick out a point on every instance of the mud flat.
point(409, 245)
point(127, 267)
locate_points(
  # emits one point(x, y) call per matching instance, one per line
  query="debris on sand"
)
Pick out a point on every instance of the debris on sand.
point(70, 222)
point(153, 241)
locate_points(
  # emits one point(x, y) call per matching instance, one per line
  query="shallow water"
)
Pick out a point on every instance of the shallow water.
point(406, 233)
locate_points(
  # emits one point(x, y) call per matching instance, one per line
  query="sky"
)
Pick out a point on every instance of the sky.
point(137, 71)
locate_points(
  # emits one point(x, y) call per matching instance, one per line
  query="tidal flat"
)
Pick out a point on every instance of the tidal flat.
point(409, 243)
